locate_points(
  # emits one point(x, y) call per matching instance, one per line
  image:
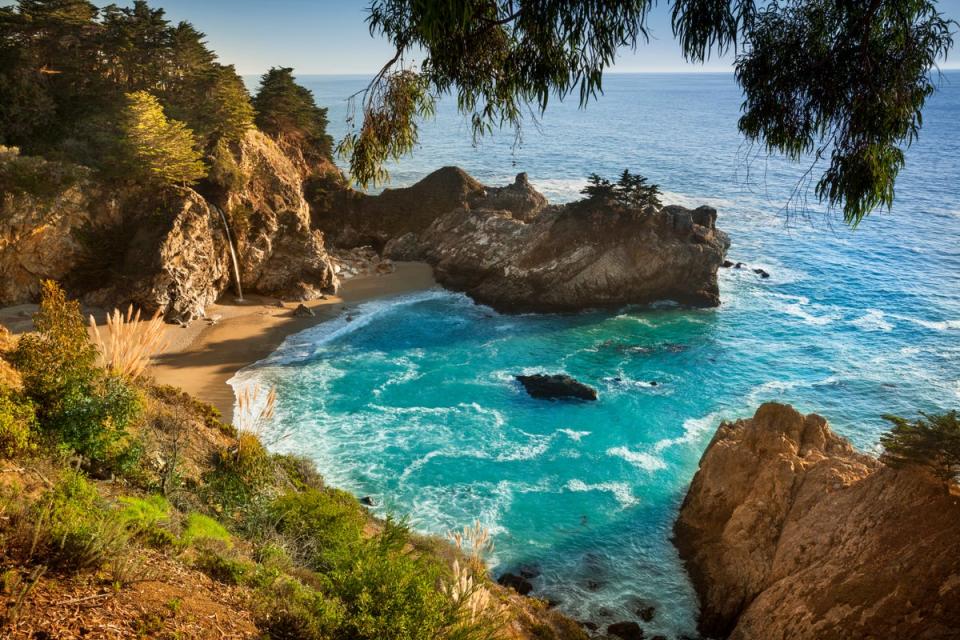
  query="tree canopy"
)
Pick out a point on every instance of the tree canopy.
point(630, 190)
point(164, 149)
point(932, 441)
point(843, 81)
point(67, 66)
point(287, 111)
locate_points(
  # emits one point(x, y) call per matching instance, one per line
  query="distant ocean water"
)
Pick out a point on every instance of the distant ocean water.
point(414, 401)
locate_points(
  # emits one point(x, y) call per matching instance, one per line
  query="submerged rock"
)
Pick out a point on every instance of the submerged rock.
point(556, 386)
point(788, 532)
point(626, 630)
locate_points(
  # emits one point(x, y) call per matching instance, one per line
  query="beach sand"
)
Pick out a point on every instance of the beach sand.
point(201, 357)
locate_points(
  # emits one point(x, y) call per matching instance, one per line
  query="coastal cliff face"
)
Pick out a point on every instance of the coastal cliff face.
point(789, 533)
point(164, 250)
point(508, 248)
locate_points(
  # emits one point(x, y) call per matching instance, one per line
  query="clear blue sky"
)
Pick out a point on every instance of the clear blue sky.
point(330, 36)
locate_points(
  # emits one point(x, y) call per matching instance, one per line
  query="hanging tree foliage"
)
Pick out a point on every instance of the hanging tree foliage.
point(844, 81)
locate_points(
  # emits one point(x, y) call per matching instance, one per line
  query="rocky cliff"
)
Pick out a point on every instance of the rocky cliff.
point(507, 247)
point(789, 533)
point(160, 249)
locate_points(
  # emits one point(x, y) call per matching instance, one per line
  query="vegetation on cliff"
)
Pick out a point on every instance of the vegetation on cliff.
point(931, 441)
point(137, 501)
point(125, 91)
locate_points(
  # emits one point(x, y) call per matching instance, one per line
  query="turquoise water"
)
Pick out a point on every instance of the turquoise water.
point(414, 401)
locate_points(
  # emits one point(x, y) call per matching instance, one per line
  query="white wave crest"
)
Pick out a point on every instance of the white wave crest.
point(873, 320)
point(576, 436)
point(620, 490)
point(639, 459)
point(693, 429)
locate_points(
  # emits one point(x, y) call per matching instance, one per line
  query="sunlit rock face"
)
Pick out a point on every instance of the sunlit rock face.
point(788, 532)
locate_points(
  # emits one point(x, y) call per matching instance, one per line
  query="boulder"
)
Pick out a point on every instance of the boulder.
point(626, 630)
point(303, 311)
point(515, 582)
point(556, 386)
point(788, 532)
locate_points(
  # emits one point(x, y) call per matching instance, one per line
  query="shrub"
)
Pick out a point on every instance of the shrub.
point(59, 355)
point(324, 524)
point(86, 410)
point(224, 170)
point(72, 529)
point(932, 441)
point(34, 176)
point(225, 569)
point(148, 519)
point(18, 424)
point(290, 610)
point(203, 528)
point(389, 594)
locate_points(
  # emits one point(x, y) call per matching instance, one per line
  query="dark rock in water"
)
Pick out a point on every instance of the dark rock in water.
point(592, 626)
point(739, 265)
point(626, 630)
point(654, 383)
point(303, 311)
point(726, 264)
point(603, 612)
point(556, 386)
point(646, 613)
point(761, 273)
point(529, 571)
point(368, 501)
point(515, 582)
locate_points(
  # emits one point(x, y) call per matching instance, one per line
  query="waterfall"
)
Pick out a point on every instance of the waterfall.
point(233, 254)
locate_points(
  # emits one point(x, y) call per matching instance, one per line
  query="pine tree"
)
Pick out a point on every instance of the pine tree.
point(932, 440)
point(164, 149)
point(287, 111)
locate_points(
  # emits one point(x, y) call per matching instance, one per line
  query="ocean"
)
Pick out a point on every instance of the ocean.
point(415, 403)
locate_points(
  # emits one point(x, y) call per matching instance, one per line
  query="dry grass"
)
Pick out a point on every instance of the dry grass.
point(471, 597)
point(130, 342)
point(254, 410)
point(476, 543)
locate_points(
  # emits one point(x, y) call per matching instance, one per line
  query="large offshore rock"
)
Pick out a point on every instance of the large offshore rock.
point(507, 247)
point(788, 532)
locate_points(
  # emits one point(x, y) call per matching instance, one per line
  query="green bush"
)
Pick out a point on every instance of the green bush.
point(390, 594)
point(34, 176)
point(79, 405)
point(225, 569)
point(290, 610)
point(148, 519)
point(325, 525)
point(630, 190)
point(72, 529)
point(931, 441)
point(18, 424)
point(203, 528)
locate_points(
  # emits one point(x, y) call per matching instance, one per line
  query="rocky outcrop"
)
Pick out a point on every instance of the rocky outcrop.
point(508, 248)
point(42, 205)
point(789, 533)
point(161, 249)
point(280, 254)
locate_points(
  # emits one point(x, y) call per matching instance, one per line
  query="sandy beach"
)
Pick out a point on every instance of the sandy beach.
point(201, 358)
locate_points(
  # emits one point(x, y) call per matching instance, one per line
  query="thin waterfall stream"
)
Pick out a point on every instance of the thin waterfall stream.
point(233, 254)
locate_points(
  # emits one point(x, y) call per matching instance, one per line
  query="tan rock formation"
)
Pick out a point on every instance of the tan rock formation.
point(507, 247)
point(789, 533)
